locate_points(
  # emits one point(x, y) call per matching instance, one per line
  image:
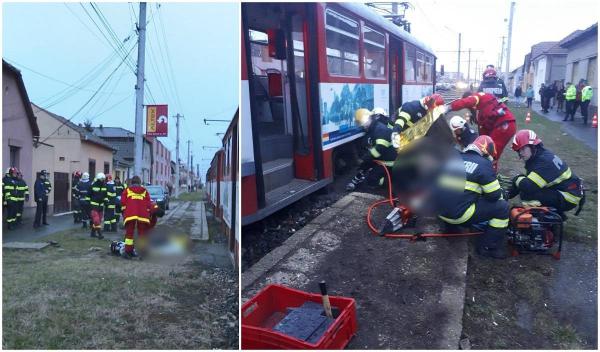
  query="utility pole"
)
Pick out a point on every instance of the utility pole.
point(469, 68)
point(501, 56)
point(139, 99)
point(510, 23)
point(178, 116)
point(192, 166)
point(187, 164)
point(458, 70)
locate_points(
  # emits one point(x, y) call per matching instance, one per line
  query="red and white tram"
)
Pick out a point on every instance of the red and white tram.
point(306, 67)
point(222, 187)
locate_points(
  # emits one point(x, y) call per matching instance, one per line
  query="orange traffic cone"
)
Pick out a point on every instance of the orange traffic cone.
point(595, 121)
point(528, 117)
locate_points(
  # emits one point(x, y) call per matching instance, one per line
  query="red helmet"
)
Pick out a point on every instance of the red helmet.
point(12, 170)
point(523, 138)
point(77, 174)
point(489, 73)
point(108, 178)
point(484, 145)
point(431, 101)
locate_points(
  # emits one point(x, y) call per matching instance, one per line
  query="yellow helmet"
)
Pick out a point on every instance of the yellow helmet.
point(361, 116)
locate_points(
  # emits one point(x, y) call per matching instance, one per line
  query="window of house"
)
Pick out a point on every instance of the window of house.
point(342, 38)
point(592, 72)
point(106, 168)
point(374, 53)
point(15, 156)
point(92, 168)
point(409, 64)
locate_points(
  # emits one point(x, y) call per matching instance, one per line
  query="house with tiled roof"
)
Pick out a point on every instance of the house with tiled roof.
point(123, 142)
point(75, 149)
point(20, 132)
point(582, 60)
point(545, 63)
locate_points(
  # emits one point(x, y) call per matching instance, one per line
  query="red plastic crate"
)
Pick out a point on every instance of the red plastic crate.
point(259, 312)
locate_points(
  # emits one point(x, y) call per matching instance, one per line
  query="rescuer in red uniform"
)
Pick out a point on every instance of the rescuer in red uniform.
point(493, 118)
point(136, 206)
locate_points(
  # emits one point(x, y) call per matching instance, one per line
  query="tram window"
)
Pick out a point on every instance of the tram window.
point(342, 44)
point(409, 64)
point(424, 66)
point(374, 53)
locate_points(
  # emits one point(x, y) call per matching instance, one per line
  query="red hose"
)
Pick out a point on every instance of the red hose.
point(391, 200)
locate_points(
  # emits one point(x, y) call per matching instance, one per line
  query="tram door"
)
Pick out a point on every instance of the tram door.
point(396, 69)
point(277, 45)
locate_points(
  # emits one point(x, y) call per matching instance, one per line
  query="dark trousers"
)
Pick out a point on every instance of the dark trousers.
point(545, 103)
point(559, 105)
point(529, 100)
point(550, 198)
point(85, 210)
point(109, 217)
point(76, 209)
point(11, 213)
point(486, 210)
point(584, 110)
point(569, 112)
point(40, 212)
point(20, 206)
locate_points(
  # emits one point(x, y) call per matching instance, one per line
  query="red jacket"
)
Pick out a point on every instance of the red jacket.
point(136, 204)
point(489, 116)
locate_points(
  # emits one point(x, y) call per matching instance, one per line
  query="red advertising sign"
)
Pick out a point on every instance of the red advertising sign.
point(157, 120)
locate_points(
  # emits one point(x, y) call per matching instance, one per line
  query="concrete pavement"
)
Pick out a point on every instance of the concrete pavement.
point(576, 128)
point(26, 232)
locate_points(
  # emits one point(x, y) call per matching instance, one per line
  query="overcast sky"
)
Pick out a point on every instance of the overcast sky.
point(438, 22)
point(60, 41)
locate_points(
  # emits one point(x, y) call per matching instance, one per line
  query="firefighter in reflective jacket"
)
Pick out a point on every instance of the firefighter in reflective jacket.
point(10, 196)
point(412, 111)
point(549, 180)
point(491, 84)
point(477, 198)
point(98, 198)
point(136, 205)
point(75, 177)
point(110, 222)
point(23, 195)
point(82, 192)
point(119, 188)
point(493, 119)
point(381, 149)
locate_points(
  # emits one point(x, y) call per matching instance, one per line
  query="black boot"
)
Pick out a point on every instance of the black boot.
point(113, 227)
point(492, 243)
point(100, 235)
point(93, 233)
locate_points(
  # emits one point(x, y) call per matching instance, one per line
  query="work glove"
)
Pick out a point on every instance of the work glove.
point(395, 139)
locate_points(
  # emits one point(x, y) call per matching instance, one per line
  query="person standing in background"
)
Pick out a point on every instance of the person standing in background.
point(529, 95)
point(518, 93)
point(560, 97)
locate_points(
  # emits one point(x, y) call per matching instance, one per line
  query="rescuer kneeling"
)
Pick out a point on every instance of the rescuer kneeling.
point(549, 180)
point(381, 149)
point(477, 198)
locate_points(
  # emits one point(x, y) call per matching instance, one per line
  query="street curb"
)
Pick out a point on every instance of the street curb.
point(266, 263)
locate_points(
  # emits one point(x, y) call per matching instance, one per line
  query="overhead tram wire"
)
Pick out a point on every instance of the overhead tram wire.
point(169, 78)
point(169, 60)
point(113, 40)
point(78, 85)
point(128, 62)
point(155, 66)
point(90, 99)
point(115, 81)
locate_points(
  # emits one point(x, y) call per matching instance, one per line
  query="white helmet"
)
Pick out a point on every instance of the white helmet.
point(378, 111)
point(457, 123)
point(100, 176)
point(85, 176)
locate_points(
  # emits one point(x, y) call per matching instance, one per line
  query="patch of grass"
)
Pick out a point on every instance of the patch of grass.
point(566, 337)
point(69, 297)
point(190, 196)
point(581, 159)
